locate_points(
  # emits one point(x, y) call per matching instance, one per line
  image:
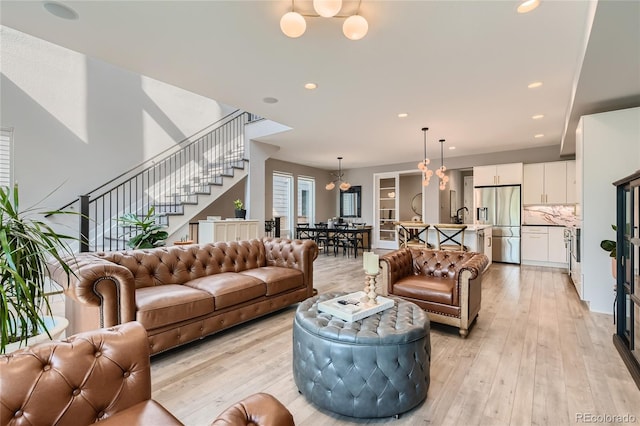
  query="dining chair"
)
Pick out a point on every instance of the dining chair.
point(322, 236)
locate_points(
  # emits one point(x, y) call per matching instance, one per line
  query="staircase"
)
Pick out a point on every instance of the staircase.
point(177, 183)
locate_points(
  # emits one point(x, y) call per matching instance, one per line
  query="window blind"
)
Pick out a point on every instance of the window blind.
point(6, 151)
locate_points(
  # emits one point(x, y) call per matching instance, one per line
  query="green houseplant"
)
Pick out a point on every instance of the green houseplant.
point(27, 245)
point(149, 233)
point(609, 245)
point(240, 212)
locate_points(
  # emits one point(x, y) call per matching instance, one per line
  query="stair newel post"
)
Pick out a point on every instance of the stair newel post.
point(84, 223)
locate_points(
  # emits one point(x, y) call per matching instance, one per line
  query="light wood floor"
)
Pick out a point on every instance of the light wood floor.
point(536, 356)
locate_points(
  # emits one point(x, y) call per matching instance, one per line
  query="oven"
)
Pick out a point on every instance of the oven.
point(572, 236)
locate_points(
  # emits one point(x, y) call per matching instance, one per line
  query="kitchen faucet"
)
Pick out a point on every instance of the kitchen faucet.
point(458, 219)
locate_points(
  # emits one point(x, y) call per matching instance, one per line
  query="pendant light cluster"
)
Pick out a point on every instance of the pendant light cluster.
point(423, 166)
point(294, 25)
point(339, 177)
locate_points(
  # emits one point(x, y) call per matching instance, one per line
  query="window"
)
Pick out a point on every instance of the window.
point(306, 199)
point(282, 199)
point(6, 151)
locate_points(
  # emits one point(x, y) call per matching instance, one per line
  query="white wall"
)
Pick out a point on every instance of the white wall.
point(80, 122)
point(610, 151)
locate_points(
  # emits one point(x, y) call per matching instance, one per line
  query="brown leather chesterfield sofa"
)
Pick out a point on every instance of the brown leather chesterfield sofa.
point(102, 376)
point(446, 284)
point(183, 293)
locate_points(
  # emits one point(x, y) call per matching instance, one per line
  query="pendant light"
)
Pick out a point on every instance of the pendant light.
point(292, 24)
point(423, 166)
point(339, 177)
point(440, 172)
point(327, 8)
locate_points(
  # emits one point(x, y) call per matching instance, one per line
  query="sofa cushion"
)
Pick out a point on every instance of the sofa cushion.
point(230, 288)
point(278, 279)
point(161, 305)
point(145, 413)
point(439, 290)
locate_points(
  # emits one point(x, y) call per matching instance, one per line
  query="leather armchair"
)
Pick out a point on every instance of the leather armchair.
point(446, 284)
point(101, 376)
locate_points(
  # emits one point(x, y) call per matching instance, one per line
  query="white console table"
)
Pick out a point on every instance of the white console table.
point(210, 231)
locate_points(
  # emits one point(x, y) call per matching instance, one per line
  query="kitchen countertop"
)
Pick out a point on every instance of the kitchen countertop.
point(470, 227)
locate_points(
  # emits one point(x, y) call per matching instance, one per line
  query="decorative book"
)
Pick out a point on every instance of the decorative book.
point(354, 306)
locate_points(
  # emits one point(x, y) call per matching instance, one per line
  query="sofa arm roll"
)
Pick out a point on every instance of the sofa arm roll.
point(260, 409)
point(395, 265)
point(476, 264)
point(296, 254)
point(98, 282)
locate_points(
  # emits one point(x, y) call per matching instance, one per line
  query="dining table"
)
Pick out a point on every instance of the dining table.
point(317, 233)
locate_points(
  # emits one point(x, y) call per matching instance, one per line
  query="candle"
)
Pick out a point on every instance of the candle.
point(371, 263)
point(365, 259)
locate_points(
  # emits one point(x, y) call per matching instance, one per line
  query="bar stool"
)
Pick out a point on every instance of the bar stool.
point(448, 233)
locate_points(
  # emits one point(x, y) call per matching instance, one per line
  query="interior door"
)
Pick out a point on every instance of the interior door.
point(386, 210)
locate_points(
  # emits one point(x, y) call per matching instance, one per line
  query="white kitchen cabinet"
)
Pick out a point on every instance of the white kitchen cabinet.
point(500, 174)
point(545, 183)
point(488, 244)
point(571, 182)
point(535, 244)
point(557, 247)
point(544, 246)
point(210, 231)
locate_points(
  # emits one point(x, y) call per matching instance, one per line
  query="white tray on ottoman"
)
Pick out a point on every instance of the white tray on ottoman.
point(354, 309)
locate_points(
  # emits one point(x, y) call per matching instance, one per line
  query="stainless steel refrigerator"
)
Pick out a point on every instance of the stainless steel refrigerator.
point(500, 206)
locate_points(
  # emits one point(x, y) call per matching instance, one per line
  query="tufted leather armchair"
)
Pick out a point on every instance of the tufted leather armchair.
point(102, 376)
point(446, 284)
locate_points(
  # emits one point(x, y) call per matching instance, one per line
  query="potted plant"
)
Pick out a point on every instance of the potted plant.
point(610, 247)
point(240, 212)
point(149, 233)
point(27, 245)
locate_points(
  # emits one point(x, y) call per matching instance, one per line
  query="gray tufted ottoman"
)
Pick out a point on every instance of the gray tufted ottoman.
point(375, 367)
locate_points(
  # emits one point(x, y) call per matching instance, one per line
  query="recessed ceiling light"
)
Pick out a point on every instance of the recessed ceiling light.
point(528, 5)
point(403, 115)
point(60, 10)
point(270, 100)
point(537, 116)
point(310, 86)
point(538, 136)
point(534, 84)
point(452, 147)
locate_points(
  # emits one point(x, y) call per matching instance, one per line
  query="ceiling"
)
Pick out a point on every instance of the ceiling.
point(460, 68)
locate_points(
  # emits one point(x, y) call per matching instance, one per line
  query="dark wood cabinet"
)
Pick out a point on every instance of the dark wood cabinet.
point(627, 337)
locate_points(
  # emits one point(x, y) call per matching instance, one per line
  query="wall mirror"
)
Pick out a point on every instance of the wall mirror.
point(350, 202)
point(416, 204)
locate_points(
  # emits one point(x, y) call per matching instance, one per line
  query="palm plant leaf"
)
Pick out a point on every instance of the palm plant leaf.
point(27, 246)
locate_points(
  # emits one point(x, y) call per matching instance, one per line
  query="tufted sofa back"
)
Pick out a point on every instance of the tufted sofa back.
point(439, 263)
point(86, 378)
point(180, 264)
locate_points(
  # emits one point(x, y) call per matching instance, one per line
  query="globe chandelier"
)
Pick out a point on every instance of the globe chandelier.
point(440, 171)
point(423, 166)
point(354, 27)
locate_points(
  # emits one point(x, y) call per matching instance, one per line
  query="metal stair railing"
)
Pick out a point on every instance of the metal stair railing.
point(166, 184)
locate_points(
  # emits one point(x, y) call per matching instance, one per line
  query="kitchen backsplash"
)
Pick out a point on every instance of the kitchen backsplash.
point(563, 215)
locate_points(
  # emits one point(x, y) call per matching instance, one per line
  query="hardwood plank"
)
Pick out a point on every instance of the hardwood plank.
point(535, 355)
